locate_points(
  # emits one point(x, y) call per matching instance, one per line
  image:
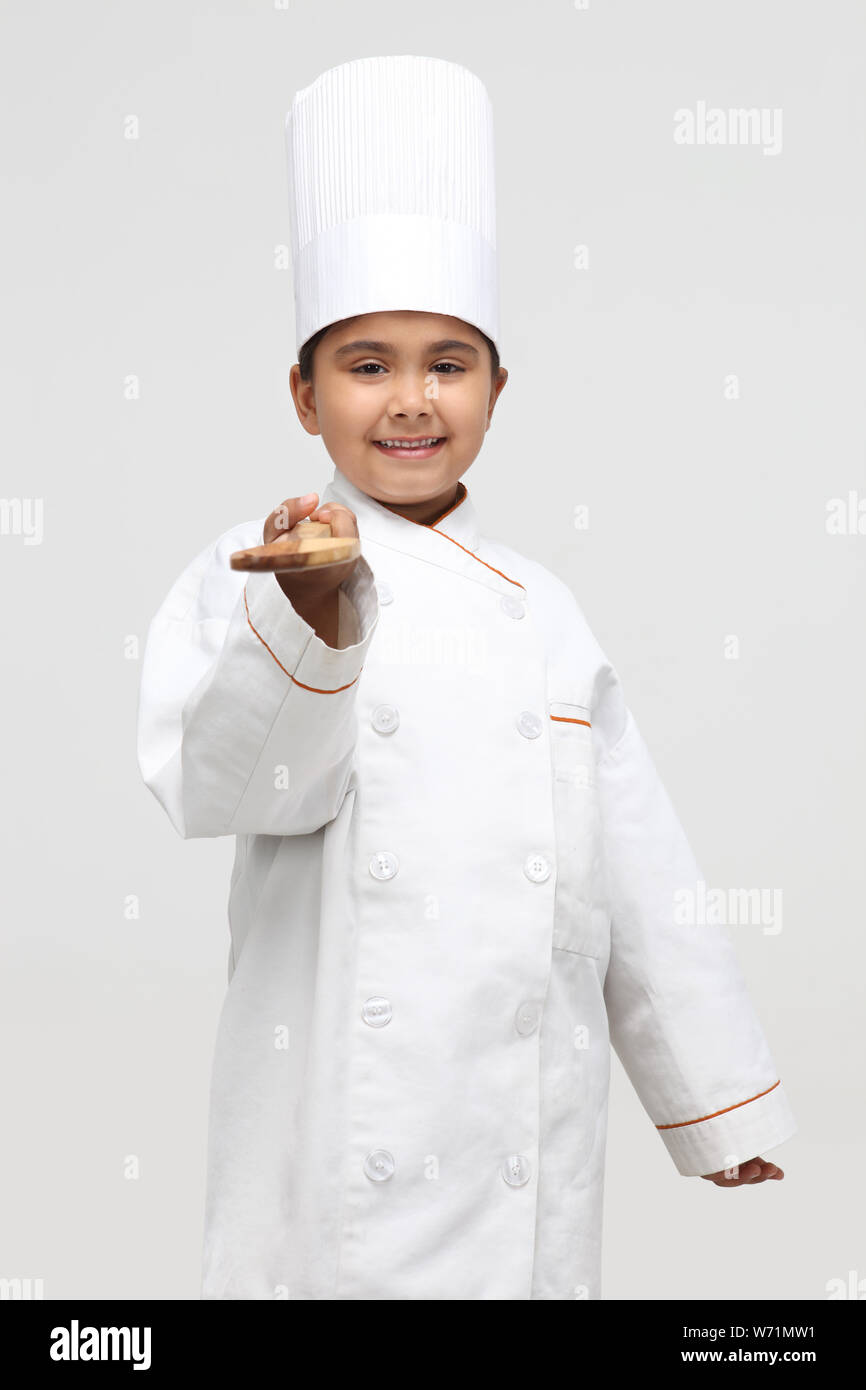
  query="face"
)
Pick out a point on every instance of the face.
point(401, 375)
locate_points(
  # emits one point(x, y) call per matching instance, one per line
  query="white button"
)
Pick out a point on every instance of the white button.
point(537, 868)
point(529, 724)
point(379, 1165)
point(383, 864)
point(514, 607)
point(527, 1018)
point(376, 1011)
point(385, 592)
point(516, 1170)
point(385, 719)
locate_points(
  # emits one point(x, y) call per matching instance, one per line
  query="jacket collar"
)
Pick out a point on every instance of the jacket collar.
point(451, 542)
point(389, 528)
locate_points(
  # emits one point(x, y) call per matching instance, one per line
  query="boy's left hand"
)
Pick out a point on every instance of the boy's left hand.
point(755, 1170)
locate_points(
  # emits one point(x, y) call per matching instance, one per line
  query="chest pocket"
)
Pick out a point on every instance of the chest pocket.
point(582, 918)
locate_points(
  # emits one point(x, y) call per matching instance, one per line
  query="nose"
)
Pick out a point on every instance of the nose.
point(410, 399)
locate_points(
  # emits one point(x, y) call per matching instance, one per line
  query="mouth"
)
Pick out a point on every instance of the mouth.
point(422, 447)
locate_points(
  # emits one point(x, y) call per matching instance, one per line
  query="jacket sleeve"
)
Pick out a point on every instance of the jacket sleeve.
point(681, 1021)
point(246, 718)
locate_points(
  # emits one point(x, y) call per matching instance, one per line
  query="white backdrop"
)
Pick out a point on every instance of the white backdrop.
point(693, 376)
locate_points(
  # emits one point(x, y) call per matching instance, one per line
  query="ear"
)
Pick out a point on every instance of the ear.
point(496, 390)
point(304, 398)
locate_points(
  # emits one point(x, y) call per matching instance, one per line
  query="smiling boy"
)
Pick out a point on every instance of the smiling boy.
point(454, 882)
point(448, 377)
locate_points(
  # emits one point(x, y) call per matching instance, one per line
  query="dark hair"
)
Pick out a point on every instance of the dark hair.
point(305, 356)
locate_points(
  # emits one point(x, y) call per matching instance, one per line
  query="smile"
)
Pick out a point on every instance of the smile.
point(423, 447)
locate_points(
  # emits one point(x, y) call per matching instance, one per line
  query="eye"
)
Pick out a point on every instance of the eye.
point(362, 370)
point(453, 365)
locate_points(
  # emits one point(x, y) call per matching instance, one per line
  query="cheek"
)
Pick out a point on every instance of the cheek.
point(468, 411)
point(342, 415)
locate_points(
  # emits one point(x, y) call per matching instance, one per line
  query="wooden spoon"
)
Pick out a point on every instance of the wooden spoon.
point(308, 543)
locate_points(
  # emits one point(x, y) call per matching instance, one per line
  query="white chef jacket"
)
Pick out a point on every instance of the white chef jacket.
point(453, 890)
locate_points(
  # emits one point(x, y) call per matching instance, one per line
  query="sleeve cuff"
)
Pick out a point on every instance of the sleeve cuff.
point(731, 1136)
point(294, 645)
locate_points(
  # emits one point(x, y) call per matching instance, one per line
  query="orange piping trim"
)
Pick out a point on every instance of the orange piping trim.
point(701, 1118)
point(430, 527)
point(564, 719)
point(474, 556)
point(315, 689)
point(454, 505)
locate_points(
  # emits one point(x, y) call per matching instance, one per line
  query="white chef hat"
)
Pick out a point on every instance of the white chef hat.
point(391, 193)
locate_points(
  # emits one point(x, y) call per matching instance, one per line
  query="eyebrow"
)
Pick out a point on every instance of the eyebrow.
point(370, 345)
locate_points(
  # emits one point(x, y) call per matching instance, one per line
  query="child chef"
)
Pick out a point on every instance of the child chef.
point(457, 870)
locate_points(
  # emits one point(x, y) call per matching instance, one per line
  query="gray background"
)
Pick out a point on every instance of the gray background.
point(707, 518)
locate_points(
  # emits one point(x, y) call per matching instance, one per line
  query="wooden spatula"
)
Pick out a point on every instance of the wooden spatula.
point(310, 543)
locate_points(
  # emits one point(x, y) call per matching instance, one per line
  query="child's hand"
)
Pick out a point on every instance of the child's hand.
point(756, 1170)
point(312, 589)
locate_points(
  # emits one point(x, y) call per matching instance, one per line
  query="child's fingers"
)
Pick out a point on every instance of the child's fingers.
point(750, 1172)
point(287, 515)
point(747, 1174)
point(771, 1171)
point(765, 1170)
point(341, 520)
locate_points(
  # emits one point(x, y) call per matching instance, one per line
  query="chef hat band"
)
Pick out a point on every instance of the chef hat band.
point(391, 193)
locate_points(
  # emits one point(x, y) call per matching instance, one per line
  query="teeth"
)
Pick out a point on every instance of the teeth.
point(409, 443)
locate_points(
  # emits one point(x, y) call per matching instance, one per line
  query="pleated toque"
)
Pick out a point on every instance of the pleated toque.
point(391, 193)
